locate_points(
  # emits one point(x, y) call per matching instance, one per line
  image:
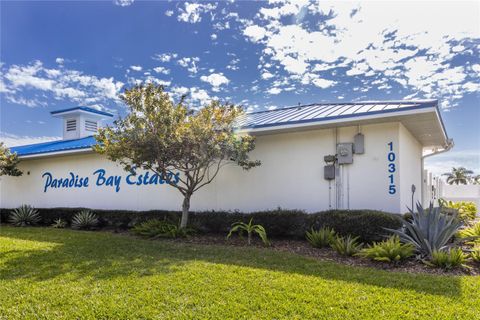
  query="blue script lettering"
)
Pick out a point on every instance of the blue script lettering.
point(103, 179)
point(147, 179)
point(108, 181)
point(73, 181)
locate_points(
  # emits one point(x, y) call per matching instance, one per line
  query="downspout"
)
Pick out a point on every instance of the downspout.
point(448, 147)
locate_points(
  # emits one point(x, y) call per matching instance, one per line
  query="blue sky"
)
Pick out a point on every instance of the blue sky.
point(258, 54)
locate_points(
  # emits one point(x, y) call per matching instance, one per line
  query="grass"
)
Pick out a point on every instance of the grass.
point(51, 273)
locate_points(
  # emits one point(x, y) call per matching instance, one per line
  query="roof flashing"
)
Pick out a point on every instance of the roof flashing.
point(75, 110)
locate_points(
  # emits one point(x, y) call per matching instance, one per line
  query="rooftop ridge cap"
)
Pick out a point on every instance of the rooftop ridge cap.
point(348, 103)
point(48, 142)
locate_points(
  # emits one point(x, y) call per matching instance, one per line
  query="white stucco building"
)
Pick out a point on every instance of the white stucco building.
point(378, 148)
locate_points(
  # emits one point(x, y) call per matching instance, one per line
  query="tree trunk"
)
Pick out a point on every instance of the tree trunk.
point(185, 209)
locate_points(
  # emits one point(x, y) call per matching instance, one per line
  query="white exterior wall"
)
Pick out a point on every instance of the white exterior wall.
point(410, 168)
point(291, 177)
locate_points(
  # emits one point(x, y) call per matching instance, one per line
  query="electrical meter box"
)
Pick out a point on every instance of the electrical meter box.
point(359, 141)
point(329, 172)
point(345, 153)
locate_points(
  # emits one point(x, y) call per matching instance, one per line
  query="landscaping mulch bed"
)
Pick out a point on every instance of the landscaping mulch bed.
point(326, 254)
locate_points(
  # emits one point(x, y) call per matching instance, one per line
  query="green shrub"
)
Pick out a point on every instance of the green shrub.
point(347, 246)
point(59, 223)
point(24, 215)
point(159, 229)
point(390, 250)
point(475, 254)
point(85, 220)
point(250, 229)
point(448, 260)
point(429, 230)
point(472, 232)
point(320, 238)
point(467, 210)
point(367, 224)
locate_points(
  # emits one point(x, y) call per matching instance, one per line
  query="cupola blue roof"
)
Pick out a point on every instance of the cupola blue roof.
point(86, 109)
point(290, 116)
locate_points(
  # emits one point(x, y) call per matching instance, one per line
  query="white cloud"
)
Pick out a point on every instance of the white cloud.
point(189, 63)
point(136, 68)
point(169, 13)
point(164, 57)
point(213, 36)
point(148, 79)
point(31, 103)
point(323, 83)
point(200, 96)
point(123, 3)
point(255, 33)
point(369, 38)
point(72, 85)
point(162, 70)
point(215, 80)
point(444, 162)
point(274, 90)
point(12, 140)
point(267, 75)
point(192, 12)
point(60, 60)
point(196, 97)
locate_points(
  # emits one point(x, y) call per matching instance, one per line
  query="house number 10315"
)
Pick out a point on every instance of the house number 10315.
point(392, 189)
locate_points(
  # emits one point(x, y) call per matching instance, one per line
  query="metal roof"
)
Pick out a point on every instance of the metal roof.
point(85, 109)
point(54, 146)
point(421, 117)
point(327, 111)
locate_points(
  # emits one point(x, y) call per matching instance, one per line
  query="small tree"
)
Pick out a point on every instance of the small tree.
point(165, 137)
point(8, 162)
point(458, 176)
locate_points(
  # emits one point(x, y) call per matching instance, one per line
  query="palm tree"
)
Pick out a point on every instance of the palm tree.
point(458, 176)
point(476, 179)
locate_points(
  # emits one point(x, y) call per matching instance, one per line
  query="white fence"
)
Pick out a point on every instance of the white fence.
point(436, 188)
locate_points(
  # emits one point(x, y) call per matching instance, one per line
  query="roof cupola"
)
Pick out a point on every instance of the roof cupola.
point(80, 122)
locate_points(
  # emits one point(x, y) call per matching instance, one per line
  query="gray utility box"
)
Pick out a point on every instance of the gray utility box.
point(359, 141)
point(329, 172)
point(345, 153)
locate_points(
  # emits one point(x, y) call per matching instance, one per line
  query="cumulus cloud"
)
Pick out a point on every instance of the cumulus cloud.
point(12, 140)
point(164, 57)
point(123, 3)
point(136, 68)
point(61, 84)
point(162, 70)
point(215, 80)
point(190, 63)
point(444, 162)
point(195, 96)
point(192, 12)
point(255, 33)
point(274, 90)
point(413, 48)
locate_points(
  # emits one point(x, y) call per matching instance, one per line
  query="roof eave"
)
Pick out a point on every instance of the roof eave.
point(56, 153)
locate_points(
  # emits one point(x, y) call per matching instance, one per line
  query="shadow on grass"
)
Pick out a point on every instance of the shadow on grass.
point(101, 255)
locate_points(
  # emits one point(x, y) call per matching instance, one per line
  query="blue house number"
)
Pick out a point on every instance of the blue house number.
point(392, 189)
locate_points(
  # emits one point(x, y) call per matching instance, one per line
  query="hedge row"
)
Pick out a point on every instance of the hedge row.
point(367, 224)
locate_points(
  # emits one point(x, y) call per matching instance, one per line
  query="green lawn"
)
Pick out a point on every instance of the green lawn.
point(53, 274)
